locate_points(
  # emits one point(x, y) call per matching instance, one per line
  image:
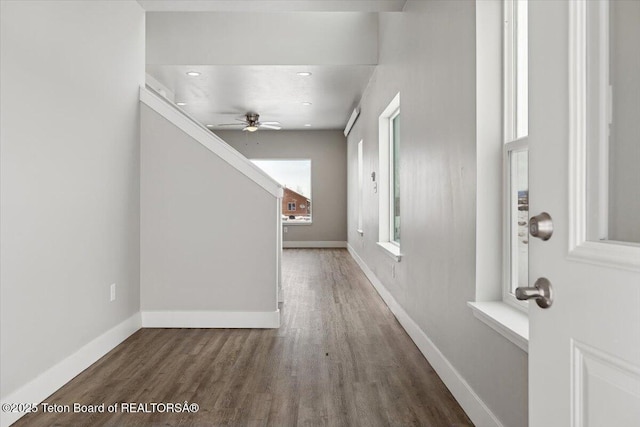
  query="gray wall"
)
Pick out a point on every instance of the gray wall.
point(427, 54)
point(202, 223)
point(223, 38)
point(624, 174)
point(70, 75)
point(327, 150)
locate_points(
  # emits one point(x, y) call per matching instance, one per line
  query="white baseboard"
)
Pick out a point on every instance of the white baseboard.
point(45, 384)
point(314, 244)
point(211, 319)
point(470, 402)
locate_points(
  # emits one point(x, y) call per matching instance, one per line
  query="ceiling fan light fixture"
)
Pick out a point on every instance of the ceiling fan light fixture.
point(251, 128)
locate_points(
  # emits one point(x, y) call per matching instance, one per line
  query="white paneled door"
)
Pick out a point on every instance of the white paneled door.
point(584, 350)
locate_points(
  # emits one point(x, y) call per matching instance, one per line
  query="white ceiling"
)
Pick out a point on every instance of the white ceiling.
point(248, 61)
point(276, 92)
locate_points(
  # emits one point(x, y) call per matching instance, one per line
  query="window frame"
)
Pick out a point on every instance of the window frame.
point(488, 306)
point(515, 138)
point(359, 228)
point(392, 178)
point(385, 181)
point(510, 236)
point(287, 222)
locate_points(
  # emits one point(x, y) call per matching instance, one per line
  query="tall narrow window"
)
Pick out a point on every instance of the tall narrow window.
point(394, 184)
point(388, 178)
point(516, 149)
point(360, 184)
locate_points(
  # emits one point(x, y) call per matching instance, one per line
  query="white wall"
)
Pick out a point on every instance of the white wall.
point(284, 38)
point(327, 150)
point(427, 53)
point(70, 73)
point(208, 233)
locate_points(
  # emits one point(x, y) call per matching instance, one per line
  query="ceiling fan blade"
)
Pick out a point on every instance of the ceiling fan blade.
point(231, 124)
point(270, 123)
point(262, 125)
point(243, 119)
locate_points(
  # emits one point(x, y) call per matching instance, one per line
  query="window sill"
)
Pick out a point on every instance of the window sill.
point(392, 250)
point(508, 321)
point(360, 232)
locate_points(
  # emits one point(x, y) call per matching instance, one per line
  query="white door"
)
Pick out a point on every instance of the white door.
point(584, 351)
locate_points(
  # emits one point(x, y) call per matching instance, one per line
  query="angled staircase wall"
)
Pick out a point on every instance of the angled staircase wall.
point(210, 227)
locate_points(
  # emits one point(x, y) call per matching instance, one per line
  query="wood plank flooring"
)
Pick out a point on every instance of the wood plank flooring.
point(340, 358)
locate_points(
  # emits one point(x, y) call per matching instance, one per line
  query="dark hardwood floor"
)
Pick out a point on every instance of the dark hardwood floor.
point(340, 358)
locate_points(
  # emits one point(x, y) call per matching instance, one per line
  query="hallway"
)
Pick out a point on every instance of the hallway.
point(339, 358)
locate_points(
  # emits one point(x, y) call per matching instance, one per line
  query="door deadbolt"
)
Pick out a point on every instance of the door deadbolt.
point(541, 291)
point(541, 226)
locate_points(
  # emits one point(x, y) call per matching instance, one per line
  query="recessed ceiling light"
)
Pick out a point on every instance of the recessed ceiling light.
point(210, 126)
point(307, 125)
point(304, 73)
point(193, 73)
point(181, 103)
point(306, 103)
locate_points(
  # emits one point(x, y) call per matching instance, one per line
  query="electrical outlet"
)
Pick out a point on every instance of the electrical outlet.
point(286, 229)
point(113, 292)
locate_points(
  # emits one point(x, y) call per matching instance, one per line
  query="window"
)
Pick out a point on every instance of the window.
point(516, 150)
point(394, 175)
point(501, 160)
point(389, 178)
point(360, 185)
point(295, 177)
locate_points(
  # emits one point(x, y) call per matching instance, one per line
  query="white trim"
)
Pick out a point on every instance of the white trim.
point(384, 170)
point(314, 244)
point(511, 323)
point(590, 361)
point(611, 254)
point(352, 121)
point(360, 172)
point(489, 125)
point(45, 384)
point(153, 83)
point(208, 139)
point(211, 319)
point(605, 112)
point(391, 249)
point(392, 177)
point(509, 71)
point(509, 244)
point(470, 402)
point(279, 249)
point(608, 254)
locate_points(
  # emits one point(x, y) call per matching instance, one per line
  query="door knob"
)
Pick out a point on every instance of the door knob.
point(541, 291)
point(541, 226)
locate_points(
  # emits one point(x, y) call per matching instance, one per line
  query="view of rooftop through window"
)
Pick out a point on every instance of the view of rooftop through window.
point(295, 176)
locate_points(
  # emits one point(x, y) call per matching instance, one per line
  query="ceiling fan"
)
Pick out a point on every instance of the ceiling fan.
point(252, 123)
